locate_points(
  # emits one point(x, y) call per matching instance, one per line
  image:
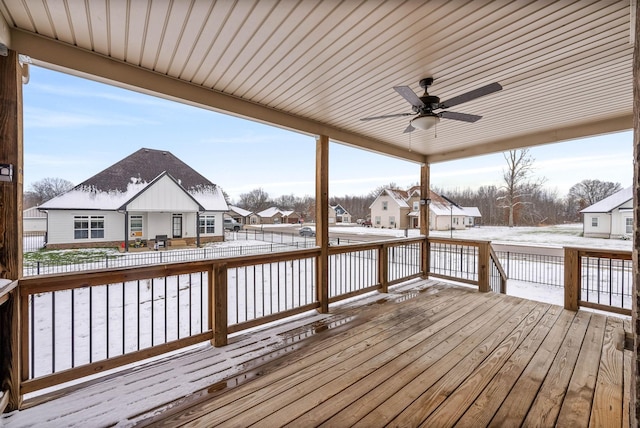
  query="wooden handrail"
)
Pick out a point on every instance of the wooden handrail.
point(6, 286)
point(503, 274)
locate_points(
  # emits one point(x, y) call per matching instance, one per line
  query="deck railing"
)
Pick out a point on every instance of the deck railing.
point(598, 279)
point(83, 323)
point(466, 261)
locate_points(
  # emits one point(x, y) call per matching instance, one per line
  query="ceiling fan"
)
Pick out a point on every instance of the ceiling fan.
point(423, 107)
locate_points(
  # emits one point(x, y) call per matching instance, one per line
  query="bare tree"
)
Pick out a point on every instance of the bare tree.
point(48, 188)
point(588, 192)
point(256, 200)
point(517, 182)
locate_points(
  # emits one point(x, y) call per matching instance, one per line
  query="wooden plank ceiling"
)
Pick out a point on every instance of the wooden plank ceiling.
point(319, 66)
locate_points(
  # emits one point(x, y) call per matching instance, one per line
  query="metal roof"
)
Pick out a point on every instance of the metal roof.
point(319, 66)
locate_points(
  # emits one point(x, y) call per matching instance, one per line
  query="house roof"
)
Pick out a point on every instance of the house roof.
point(320, 67)
point(114, 187)
point(33, 212)
point(144, 166)
point(472, 211)
point(270, 212)
point(240, 211)
point(610, 203)
point(398, 196)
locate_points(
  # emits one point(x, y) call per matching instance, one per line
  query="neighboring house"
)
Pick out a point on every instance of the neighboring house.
point(398, 209)
point(240, 215)
point(332, 215)
point(390, 209)
point(342, 215)
point(611, 217)
point(271, 215)
point(147, 195)
point(472, 217)
point(34, 220)
point(291, 217)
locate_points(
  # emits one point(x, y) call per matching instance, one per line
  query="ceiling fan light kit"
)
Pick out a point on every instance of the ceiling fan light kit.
point(425, 122)
point(423, 107)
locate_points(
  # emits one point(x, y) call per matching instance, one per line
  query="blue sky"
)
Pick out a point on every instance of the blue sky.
point(75, 128)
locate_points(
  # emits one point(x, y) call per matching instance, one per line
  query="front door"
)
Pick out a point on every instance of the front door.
point(176, 225)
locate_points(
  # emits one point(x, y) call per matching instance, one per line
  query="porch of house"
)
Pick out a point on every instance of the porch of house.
point(428, 353)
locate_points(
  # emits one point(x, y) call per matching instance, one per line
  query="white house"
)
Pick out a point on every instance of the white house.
point(611, 217)
point(399, 209)
point(472, 216)
point(149, 196)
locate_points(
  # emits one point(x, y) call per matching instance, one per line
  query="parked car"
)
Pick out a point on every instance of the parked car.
point(231, 224)
point(367, 223)
point(307, 231)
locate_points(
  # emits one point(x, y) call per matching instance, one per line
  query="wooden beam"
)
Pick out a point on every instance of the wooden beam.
point(11, 152)
point(219, 304)
point(635, 310)
point(72, 60)
point(571, 279)
point(322, 222)
point(425, 173)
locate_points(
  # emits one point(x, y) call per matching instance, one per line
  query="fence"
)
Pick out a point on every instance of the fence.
point(111, 260)
point(534, 268)
point(33, 241)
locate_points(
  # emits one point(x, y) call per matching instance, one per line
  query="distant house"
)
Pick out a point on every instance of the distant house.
point(399, 209)
point(472, 216)
point(240, 215)
point(390, 209)
point(342, 215)
point(291, 217)
point(611, 217)
point(147, 195)
point(271, 215)
point(34, 220)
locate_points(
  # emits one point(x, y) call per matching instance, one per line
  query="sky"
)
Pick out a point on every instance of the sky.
point(75, 128)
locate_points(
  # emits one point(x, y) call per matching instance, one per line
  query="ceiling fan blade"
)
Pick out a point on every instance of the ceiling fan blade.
point(472, 95)
point(410, 128)
point(464, 117)
point(386, 116)
point(408, 94)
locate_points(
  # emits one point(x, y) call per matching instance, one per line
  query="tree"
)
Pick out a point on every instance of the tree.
point(517, 184)
point(588, 192)
point(46, 189)
point(256, 200)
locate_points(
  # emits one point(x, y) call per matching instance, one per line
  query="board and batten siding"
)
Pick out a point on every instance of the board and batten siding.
point(163, 196)
point(60, 226)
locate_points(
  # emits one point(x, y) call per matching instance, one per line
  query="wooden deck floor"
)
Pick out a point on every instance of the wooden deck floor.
point(437, 355)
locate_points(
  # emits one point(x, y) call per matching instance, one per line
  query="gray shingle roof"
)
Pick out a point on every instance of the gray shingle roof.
point(145, 165)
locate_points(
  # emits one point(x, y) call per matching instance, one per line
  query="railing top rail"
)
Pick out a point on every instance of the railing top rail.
point(469, 242)
point(6, 285)
point(497, 263)
point(66, 281)
point(602, 253)
point(348, 248)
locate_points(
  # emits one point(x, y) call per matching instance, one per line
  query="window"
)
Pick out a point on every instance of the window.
point(392, 221)
point(629, 224)
point(88, 226)
point(81, 227)
point(385, 205)
point(97, 227)
point(207, 224)
point(377, 221)
point(416, 205)
point(594, 221)
point(135, 225)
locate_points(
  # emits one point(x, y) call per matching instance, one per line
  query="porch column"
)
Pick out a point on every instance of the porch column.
point(425, 195)
point(322, 221)
point(126, 231)
point(635, 378)
point(11, 153)
point(198, 228)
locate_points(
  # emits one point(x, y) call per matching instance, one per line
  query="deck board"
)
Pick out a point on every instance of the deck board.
point(429, 353)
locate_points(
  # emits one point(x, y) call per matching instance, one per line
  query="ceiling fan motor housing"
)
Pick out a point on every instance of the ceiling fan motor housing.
point(431, 102)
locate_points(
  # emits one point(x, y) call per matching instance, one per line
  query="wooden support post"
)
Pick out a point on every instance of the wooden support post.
point(571, 279)
point(383, 268)
point(322, 222)
point(425, 195)
point(11, 152)
point(635, 311)
point(483, 267)
point(219, 304)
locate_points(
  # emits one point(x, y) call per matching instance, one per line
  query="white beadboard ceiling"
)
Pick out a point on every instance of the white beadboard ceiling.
point(318, 66)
